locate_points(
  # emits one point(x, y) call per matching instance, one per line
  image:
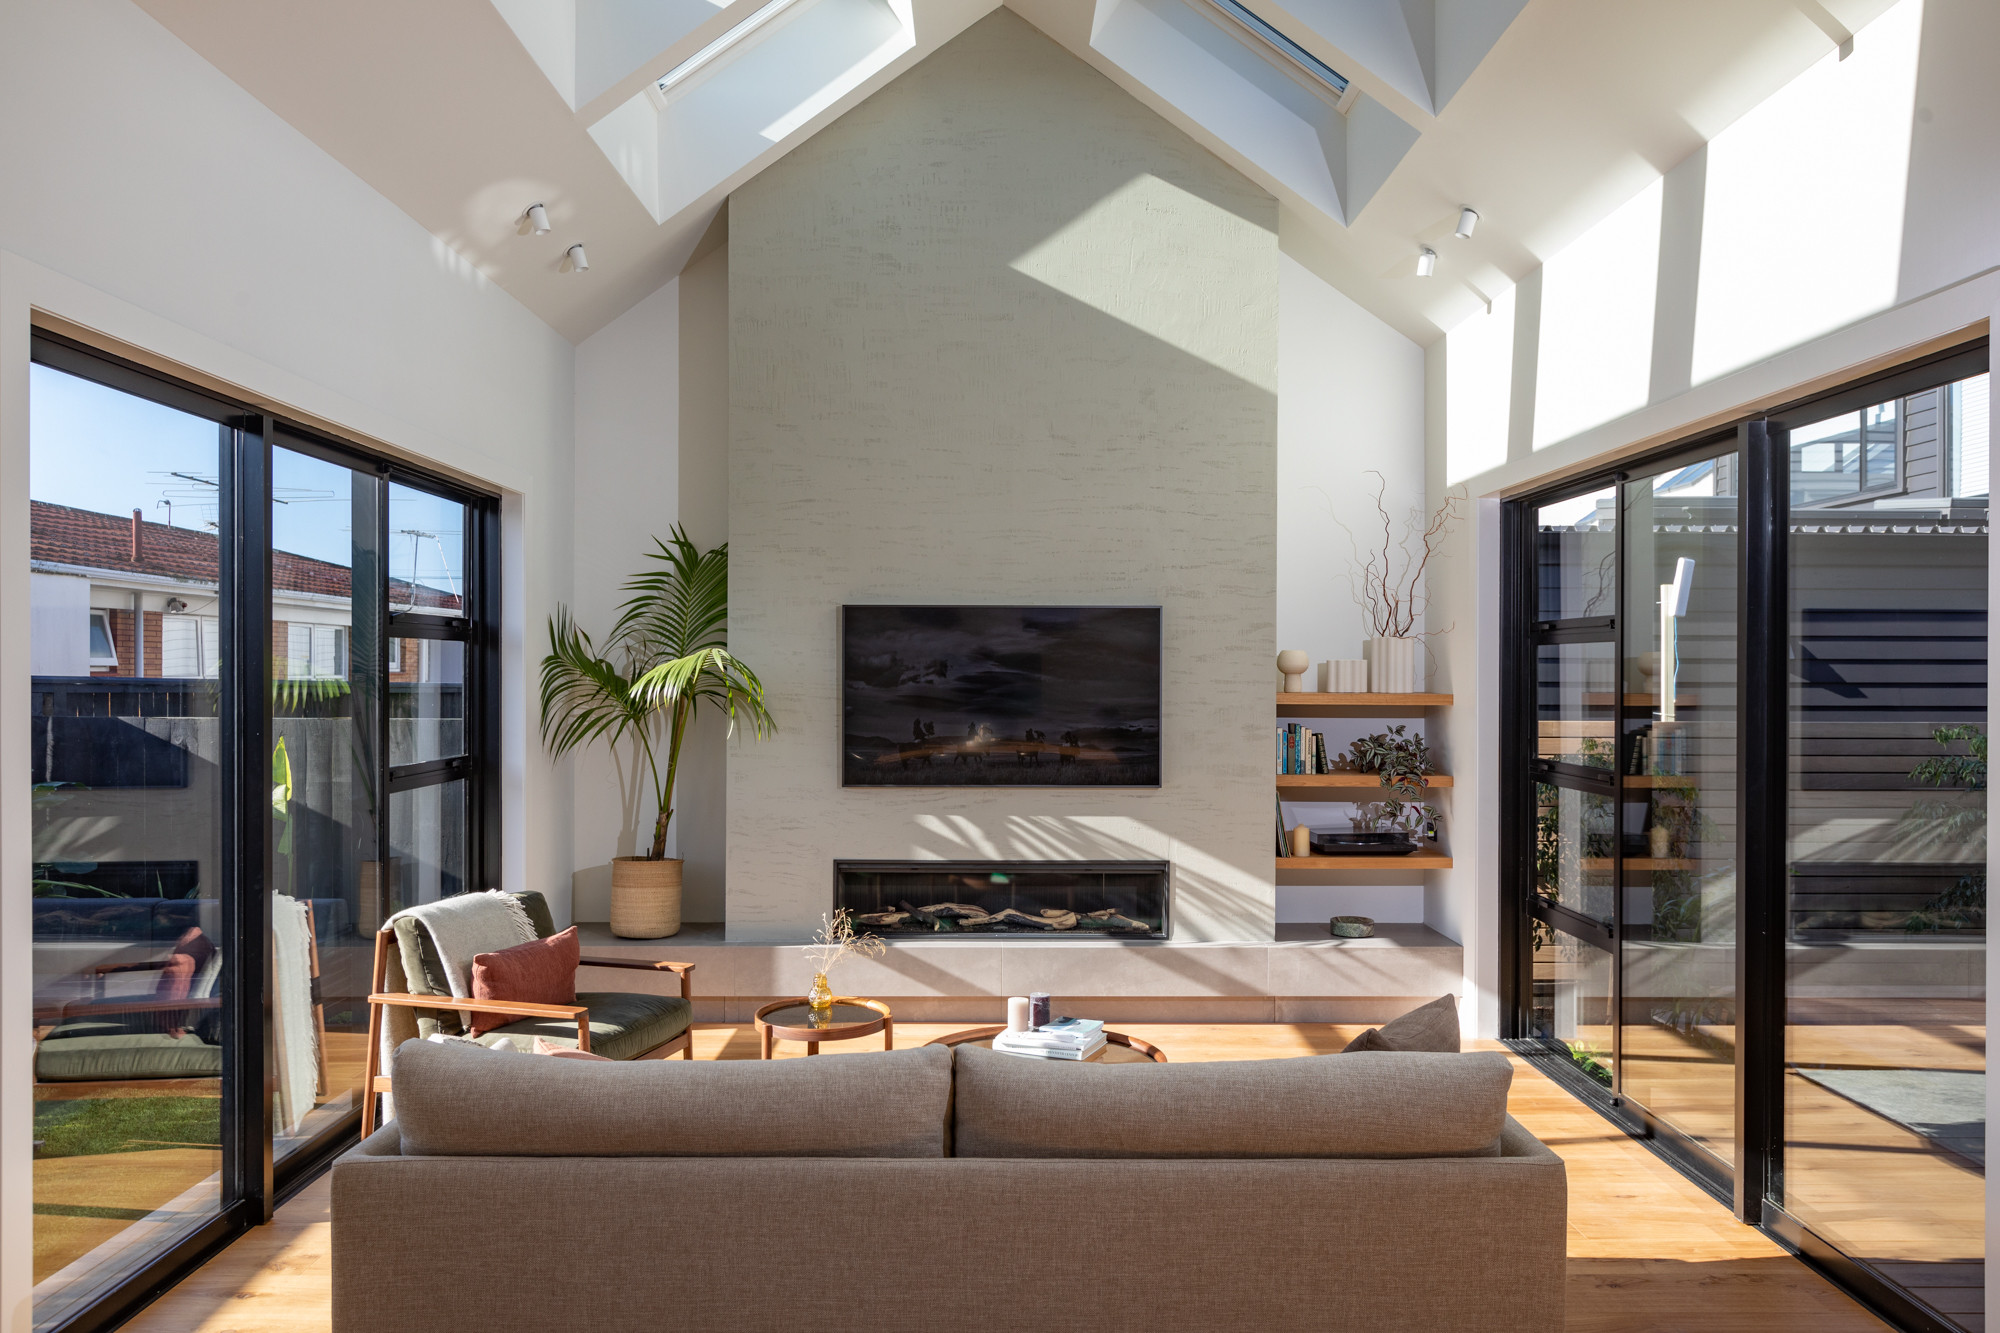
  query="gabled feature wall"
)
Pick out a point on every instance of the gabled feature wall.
point(1003, 335)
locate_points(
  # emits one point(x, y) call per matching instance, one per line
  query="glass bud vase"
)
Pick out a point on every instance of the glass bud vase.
point(821, 995)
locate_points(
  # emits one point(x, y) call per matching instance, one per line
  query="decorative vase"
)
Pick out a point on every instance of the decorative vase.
point(1660, 840)
point(645, 897)
point(1392, 666)
point(821, 995)
point(1343, 676)
point(1293, 663)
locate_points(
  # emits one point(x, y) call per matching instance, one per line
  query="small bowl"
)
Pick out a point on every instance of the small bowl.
point(1351, 927)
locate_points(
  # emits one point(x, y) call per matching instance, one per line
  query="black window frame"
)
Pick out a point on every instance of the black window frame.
point(1762, 443)
point(254, 1183)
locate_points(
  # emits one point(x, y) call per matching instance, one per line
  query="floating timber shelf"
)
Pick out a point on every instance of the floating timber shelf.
point(1316, 781)
point(1658, 780)
point(1414, 861)
point(1311, 704)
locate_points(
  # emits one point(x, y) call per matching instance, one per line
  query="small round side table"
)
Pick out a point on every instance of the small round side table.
point(849, 1017)
point(1119, 1049)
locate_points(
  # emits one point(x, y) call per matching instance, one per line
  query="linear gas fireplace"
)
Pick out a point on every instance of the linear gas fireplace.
point(1044, 900)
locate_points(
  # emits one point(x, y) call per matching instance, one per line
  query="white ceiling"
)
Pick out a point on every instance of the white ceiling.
point(1542, 114)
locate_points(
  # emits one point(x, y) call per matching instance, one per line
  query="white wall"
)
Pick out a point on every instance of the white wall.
point(151, 199)
point(1350, 403)
point(627, 493)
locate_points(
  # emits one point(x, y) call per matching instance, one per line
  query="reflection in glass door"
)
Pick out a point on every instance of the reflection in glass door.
point(1677, 926)
point(326, 798)
point(128, 921)
point(1885, 908)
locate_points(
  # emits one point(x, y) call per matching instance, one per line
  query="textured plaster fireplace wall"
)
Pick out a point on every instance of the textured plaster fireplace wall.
point(1003, 335)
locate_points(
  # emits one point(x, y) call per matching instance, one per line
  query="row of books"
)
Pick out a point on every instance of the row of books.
point(1302, 751)
point(1064, 1039)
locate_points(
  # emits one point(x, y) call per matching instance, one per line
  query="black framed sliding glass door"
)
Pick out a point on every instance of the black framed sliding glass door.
point(1747, 689)
point(263, 722)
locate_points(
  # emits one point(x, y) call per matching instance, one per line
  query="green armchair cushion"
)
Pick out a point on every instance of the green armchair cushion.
point(623, 1025)
point(92, 1050)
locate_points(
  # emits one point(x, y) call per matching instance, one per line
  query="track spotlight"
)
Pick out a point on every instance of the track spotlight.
point(538, 219)
point(577, 260)
point(1427, 262)
point(1467, 220)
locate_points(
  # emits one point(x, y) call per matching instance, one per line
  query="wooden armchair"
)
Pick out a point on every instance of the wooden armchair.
point(405, 1002)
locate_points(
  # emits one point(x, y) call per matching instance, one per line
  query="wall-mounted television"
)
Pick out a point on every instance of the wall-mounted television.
point(1000, 696)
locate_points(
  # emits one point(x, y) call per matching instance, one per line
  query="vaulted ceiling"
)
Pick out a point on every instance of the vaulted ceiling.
point(1540, 114)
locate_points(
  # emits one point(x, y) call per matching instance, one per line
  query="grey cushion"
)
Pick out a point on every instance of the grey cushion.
point(1429, 1027)
point(1368, 1105)
point(623, 1025)
point(460, 1102)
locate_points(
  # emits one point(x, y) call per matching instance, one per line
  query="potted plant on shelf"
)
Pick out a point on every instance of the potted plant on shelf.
point(666, 656)
point(1389, 585)
point(1404, 764)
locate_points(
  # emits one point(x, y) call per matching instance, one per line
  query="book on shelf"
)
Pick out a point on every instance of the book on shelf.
point(1302, 751)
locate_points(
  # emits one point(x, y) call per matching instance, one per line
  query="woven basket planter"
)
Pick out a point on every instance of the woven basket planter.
point(645, 897)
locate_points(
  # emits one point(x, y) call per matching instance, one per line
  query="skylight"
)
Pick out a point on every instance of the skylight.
point(1278, 44)
point(728, 39)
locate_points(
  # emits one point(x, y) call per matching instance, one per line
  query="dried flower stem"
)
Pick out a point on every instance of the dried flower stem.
point(836, 940)
point(1388, 584)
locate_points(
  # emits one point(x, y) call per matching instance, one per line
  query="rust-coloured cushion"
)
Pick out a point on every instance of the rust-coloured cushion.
point(176, 978)
point(538, 972)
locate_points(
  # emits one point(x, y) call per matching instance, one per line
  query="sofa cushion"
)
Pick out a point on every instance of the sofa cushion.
point(461, 1103)
point(89, 1050)
point(1429, 1027)
point(1364, 1105)
point(542, 971)
point(624, 1025)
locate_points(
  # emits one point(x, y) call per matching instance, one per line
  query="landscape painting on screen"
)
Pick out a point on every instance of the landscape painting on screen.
point(1000, 696)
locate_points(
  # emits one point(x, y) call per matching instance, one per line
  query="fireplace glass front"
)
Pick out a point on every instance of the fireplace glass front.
point(1047, 900)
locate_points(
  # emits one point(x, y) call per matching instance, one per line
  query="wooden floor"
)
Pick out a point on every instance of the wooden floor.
point(1647, 1250)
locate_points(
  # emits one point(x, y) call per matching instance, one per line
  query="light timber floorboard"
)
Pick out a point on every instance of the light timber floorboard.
point(1647, 1250)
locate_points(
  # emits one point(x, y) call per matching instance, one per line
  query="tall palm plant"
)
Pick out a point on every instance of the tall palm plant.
point(666, 655)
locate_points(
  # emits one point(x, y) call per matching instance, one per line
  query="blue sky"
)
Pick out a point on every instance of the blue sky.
point(96, 448)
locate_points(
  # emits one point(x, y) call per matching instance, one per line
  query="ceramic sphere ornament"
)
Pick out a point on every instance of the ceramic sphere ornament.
point(1293, 663)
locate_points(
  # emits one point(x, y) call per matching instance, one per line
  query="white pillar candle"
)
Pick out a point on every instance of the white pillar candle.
point(1017, 1013)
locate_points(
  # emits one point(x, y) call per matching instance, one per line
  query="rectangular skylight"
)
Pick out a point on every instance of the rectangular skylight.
point(728, 39)
point(1284, 47)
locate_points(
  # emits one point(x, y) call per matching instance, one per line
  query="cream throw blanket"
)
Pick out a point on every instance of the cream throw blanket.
point(461, 928)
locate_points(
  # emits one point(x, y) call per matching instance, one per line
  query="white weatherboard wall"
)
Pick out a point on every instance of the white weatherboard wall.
point(153, 200)
point(1003, 335)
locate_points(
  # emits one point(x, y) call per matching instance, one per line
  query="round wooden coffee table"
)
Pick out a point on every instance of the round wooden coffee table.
point(1119, 1049)
point(848, 1018)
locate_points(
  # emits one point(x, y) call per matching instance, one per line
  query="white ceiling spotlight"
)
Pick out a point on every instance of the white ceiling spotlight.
point(537, 218)
point(578, 261)
point(1427, 262)
point(1467, 220)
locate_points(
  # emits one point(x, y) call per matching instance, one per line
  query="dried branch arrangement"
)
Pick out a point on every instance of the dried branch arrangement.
point(837, 939)
point(1389, 582)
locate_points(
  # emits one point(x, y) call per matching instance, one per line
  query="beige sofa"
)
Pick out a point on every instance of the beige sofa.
point(936, 1190)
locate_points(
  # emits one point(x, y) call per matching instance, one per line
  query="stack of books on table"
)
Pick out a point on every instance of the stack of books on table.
point(1064, 1039)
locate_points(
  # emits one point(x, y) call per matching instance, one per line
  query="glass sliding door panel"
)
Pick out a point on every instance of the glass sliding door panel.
point(426, 553)
point(1576, 553)
point(426, 700)
point(1576, 703)
point(1572, 999)
point(1573, 840)
point(1678, 813)
point(1886, 892)
point(129, 949)
point(325, 811)
point(427, 840)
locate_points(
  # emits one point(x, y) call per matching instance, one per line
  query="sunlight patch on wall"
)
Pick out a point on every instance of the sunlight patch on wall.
point(1137, 254)
point(1478, 390)
point(1596, 355)
point(1803, 225)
